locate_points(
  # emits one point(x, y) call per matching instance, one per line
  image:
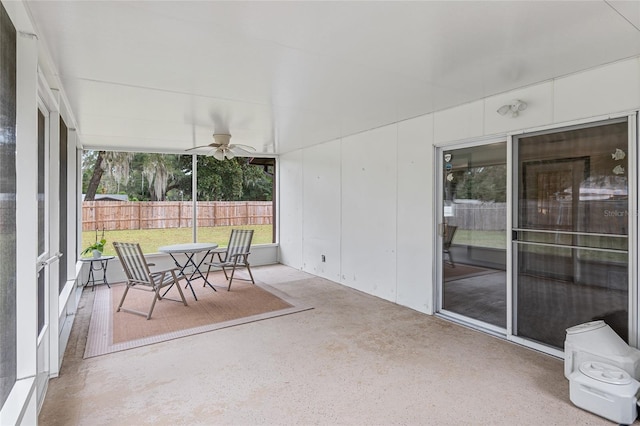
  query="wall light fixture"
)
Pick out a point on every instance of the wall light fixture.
point(515, 107)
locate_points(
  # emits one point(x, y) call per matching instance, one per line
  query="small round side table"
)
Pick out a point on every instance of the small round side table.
point(97, 264)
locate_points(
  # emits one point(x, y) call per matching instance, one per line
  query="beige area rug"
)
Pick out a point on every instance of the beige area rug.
point(111, 331)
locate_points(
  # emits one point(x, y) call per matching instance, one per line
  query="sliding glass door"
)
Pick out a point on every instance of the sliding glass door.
point(564, 231)
point(473, 235)
point(571, 231)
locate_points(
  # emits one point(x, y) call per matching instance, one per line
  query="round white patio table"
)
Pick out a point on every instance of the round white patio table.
point(190, 250)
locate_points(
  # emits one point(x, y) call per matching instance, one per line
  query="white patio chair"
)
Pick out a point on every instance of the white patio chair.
point(449, 232)
point(236, 255)
point(140, 277)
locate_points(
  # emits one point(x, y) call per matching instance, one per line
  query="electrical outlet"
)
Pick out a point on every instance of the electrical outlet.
point(324, 259)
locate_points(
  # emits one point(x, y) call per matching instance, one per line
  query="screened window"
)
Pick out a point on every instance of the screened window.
point(148, 198)
point(8, 333)
point(235, 193)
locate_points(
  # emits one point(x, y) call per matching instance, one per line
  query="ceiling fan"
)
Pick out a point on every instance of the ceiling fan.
point(223, 149)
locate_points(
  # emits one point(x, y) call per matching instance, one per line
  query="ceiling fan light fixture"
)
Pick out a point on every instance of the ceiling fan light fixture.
point(229, 154)
point(515, 107)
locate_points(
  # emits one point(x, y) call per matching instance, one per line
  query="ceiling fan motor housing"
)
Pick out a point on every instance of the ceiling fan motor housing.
point(222, 138)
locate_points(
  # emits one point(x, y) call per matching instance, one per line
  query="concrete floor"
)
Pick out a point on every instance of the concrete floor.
point(354, 359)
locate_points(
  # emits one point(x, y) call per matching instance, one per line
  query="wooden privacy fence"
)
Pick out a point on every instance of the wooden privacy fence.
point(117, 215)
point(485, 216)
point(610, 216)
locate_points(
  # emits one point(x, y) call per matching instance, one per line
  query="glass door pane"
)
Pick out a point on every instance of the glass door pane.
point(571, 231)
point(474, 233)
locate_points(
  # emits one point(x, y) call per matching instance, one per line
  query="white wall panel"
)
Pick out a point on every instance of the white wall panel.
point(369, 212)
point(415, 214)
point(461, 122)
point(539, 112)
point(605, 90)
point(629, 9)
point(290, 214)
point(321, 210)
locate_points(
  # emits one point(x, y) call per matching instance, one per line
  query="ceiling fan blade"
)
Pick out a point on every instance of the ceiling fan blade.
point(198, 147)
point(238, 151)
point(245, 147)
point(211, 145)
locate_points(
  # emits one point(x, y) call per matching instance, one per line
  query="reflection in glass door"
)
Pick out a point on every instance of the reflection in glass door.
point(473, 231)
point(571, 226)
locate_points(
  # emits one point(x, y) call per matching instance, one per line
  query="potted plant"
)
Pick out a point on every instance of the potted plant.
point(96, 248)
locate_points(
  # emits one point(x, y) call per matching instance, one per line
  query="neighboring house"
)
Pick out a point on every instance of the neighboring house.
point(110, 197)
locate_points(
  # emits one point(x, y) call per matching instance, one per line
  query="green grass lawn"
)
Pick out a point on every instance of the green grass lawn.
point(151, 239)
point(493, 239)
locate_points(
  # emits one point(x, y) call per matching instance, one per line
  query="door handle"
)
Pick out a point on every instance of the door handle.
point(49, 261)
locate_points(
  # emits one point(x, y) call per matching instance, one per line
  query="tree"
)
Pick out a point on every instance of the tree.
point(96, 175)
point(219, 180)
point(481, 183)
point(158, 171)
point(142, 176)
point(157, 177)
point(117, 165)
point(257, 182)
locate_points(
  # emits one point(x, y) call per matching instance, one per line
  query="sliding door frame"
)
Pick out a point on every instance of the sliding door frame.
point(633, 296)
point(439, 219)
point(633, 123)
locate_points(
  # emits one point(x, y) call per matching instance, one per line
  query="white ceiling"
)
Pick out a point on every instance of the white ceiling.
point(164, 75)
